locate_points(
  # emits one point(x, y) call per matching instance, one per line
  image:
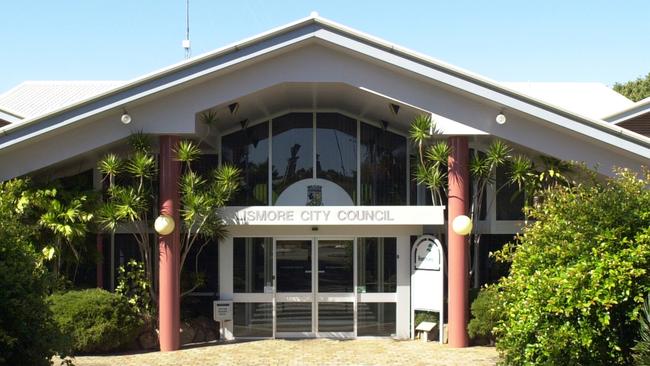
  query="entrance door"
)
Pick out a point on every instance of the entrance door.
point(314, 288)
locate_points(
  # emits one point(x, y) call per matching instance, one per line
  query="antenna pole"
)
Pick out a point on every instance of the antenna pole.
point(186, 41)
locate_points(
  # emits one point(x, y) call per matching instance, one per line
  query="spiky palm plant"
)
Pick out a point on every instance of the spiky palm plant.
point(130, 200)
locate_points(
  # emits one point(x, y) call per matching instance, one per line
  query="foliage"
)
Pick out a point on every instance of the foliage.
point(636, 89)
point(578, 275)
point(95, 320)
point(642, 347)
point(131, 198)
point(486, 313)
point(132, 284)
point(27, 332)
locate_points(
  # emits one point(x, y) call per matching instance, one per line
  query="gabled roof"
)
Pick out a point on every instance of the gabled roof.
point(36, 98)
point(639, 108)
point(315, 27)
point(593, 100)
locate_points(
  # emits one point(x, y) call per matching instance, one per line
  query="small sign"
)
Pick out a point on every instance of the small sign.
point(268, 289)
point(222, 310)
point(427, 256)
point(361, 289)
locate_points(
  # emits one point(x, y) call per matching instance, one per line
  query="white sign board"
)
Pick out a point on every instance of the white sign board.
point(222, 311)
point(427, 278)
point(333, 215)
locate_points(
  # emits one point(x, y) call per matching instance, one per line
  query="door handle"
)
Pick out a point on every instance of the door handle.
point(321, 271)
point(307, 271)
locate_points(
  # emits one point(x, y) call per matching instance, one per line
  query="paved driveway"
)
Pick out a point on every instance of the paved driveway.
point(308, 352)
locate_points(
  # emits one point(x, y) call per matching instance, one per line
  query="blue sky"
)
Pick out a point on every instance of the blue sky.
point(605, 41)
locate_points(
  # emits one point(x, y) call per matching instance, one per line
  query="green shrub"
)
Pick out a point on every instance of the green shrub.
point(642, 347)
point(28, 335)
point(486, 313)
point(579, 275)
point(425, 316)
point(95, 320)
point(132, 285)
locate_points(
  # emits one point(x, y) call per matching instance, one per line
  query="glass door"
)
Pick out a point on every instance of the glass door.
point(294, 297)
point(315, 284)
point(335, 304)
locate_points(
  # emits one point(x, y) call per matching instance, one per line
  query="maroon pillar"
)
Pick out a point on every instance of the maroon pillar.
point(100, 260)
point(458, 289)
point(169, 246)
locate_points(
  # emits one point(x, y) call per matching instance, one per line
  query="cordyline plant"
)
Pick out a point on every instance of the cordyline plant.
point(432, 160)
point(130, 201)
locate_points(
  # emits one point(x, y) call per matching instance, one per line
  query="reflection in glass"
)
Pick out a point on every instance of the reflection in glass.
point(248, 150)
point(335, 317)
point(335, 267)
point(253, 319)
point(383, 167)
point(292, 150)
point(510, 201)
point(252, 264)
point(376, 319)
point(293, 317)
point(336, 150)
point(293, 265)
point(377, 264)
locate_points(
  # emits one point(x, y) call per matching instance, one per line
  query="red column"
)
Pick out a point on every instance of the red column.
point(100, 260)
point(458, 289)
point(169, 246)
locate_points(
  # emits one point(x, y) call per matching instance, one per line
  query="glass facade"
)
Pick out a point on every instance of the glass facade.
point(324, 146)
point(253, 319)
point(249, 150)
point(376, 319)
point(293, 143)
point(335, 267)
point(293, 317)
point(383, 167)
point(335, 317)
point(336, 150)
point(252, 264)
point(510, 201)
point(377, 265)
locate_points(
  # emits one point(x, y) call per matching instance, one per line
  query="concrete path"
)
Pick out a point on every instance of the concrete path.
point(308, 352)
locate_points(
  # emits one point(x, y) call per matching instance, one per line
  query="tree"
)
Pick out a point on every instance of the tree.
point(28, 335)
point(431, 170)
point(578, 275)
point(130, 200)
point(636, 89)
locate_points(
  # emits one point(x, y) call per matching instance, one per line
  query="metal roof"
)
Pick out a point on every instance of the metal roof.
point(36, 98)
point(328, 31)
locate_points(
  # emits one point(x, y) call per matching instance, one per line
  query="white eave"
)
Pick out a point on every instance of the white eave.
point(457, 77)
point(639, 108)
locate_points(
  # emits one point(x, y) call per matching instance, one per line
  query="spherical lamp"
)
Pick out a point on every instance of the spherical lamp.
point(126, 118)
point(501, 118)
point(164, 224)
point(462, 225)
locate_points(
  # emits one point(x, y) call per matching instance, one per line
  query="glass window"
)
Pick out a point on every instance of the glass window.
point(249, 150)
point(293, 265)
point(376, 319)
point(336, 150)
point(252, 264)
point(510, 201)
point(335, 317)
point(293, 317)
point(377, 265)
point(207, 266)
point(335, 266)
point(253, 319)
point(383, 167)
point(292, 150)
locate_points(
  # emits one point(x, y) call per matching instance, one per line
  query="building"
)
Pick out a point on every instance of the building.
point(317, 115)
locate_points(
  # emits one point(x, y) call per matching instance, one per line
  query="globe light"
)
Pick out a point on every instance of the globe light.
point(126, 118)
point(462, 225)
point(164, 224)
point(501, 118)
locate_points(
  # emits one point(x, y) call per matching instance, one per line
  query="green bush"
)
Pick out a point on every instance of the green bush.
point(642, 347)
point(486, 313)
point(579, 275)
point(95, 320)
point(28, 335)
